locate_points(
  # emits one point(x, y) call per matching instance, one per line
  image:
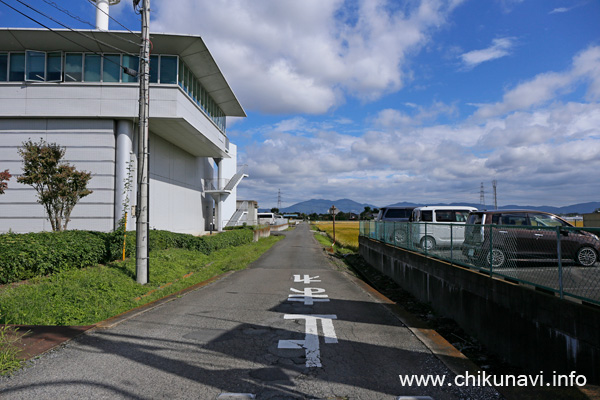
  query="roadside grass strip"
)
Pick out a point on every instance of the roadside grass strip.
point(93, 294)
point(9, 350)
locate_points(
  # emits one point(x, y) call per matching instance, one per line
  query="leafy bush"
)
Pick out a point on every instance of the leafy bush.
point(28, 255)
point(25, 256)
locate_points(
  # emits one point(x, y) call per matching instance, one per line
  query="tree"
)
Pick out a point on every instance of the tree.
point(4, 178)
point(275, 210)
point(59, 185)
point(366, 214)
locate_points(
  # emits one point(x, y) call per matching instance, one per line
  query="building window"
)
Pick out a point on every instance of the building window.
point(3, 67)
point(111, 68)
point(153, 69)
point(16, 72)
point(131, 62)
point(73, 67)
point(168, 69)
point(36, 66)
point(54, 67)
point(92, 68)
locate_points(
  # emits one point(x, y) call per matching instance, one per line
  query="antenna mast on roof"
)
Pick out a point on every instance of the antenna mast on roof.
point(102, 13)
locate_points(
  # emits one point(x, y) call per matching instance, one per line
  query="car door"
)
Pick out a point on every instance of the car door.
point(514, 236)
point(546, 237)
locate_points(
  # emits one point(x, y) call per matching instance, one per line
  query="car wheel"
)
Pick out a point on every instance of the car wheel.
point(587, 256)
point(428, 243)
point(498, 258)
point(400, 236)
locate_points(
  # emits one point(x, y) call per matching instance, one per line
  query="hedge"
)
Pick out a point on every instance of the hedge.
point(24, 256)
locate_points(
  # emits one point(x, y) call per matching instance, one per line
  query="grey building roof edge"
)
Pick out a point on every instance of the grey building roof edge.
point(191, 49)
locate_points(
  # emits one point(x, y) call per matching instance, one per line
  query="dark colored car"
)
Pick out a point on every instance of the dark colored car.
point(508, 237)
point(395, 233)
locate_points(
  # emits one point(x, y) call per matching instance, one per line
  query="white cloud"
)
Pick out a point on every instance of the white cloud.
point(529, 153)
point(559, 10)
point(548, 86)
point(500, 48)
point(307, 56)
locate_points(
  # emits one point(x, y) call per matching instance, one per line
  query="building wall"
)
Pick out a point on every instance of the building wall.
point(176, 195)
point(90, 146)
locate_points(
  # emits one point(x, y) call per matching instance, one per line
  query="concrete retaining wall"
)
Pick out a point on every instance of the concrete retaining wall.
point(281, 227)
point(535, 330)
point(261, 233)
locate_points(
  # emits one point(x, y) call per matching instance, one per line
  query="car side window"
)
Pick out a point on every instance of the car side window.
point(517, 219)
point(545, 220)
point(444, 216)
point(461, 216)
point(427, 216)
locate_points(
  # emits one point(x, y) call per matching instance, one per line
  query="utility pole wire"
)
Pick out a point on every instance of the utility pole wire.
point(73, 30)
point(64, 37)
point(77, 18)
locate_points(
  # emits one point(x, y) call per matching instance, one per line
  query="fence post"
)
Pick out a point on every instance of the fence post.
point(451, 245)
point(560, 271)
point(491, 257)
point(425, 242)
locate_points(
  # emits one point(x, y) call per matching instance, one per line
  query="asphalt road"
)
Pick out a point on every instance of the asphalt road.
point(290, 327)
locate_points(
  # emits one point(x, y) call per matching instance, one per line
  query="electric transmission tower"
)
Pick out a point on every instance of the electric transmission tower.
point(494, 184)
point(279, 199)
point(481, 196)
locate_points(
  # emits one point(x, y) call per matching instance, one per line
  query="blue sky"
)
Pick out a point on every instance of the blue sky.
point(388, 101)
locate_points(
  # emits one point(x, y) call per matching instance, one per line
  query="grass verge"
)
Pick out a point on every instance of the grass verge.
point(9, 350)
point(87, 296)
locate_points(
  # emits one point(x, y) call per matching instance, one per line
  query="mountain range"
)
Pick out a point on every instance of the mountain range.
point(321, 206)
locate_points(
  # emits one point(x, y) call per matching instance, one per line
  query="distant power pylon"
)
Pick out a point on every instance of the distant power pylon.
point(279, 199)
point(481, 195)
point(494, 184)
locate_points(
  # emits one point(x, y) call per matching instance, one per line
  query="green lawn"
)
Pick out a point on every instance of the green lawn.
point(90, 295)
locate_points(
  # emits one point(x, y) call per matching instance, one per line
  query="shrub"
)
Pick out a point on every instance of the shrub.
point(25, 256)
point(28, 255)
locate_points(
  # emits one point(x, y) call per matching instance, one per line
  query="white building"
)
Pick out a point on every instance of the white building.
point(70, 87)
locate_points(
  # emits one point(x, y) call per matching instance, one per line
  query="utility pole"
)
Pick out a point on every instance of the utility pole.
point(142, 194)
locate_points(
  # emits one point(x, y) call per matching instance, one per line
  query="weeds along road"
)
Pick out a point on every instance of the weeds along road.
point(292, 326)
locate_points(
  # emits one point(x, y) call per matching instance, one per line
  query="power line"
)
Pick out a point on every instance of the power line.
point(73, 30)
point(76, 17)
point(66, 38)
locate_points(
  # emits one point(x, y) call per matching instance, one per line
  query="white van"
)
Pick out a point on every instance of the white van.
point(266, 218)
point(439, 226)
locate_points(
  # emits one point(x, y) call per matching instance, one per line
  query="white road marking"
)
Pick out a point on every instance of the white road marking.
point(308, 295)
point(311, 338)
point(306, 279)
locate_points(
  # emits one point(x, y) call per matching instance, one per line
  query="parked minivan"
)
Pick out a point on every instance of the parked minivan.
point(439, 226)
point(396, 232)
point(526, 236)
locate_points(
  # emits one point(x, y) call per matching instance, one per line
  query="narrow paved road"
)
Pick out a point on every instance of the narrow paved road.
point(289, 327)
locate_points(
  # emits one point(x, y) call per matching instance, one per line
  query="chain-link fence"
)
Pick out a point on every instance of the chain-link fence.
point(562, 260)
